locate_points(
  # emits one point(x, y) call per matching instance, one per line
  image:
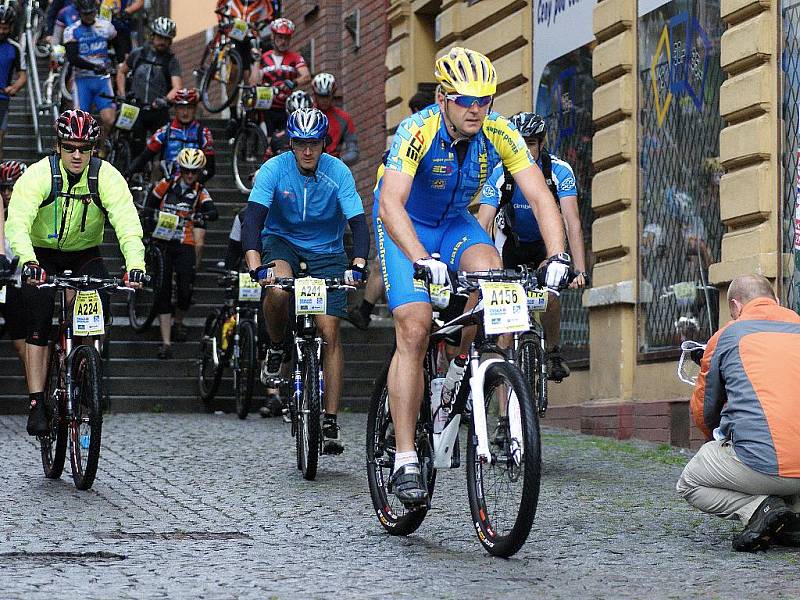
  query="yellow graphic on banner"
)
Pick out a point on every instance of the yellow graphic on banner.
point(664, 45)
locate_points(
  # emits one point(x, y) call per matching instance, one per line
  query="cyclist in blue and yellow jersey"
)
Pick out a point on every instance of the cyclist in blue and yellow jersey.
point(438, 161)
point(302, 200)
point(56, 223)
point(518, 238)
point(86, 43)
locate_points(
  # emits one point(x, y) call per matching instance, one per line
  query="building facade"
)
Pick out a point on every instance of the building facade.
point(682, 121)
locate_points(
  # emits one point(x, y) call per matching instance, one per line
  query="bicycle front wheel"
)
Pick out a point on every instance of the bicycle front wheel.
point(245, 378)
point(219, 85)
point(503, 492)
point(142, 303)
point(54, 444)
point(393, 516)
point(87, 420)
point(248, 155)
point(209, 375)
point(308, 430)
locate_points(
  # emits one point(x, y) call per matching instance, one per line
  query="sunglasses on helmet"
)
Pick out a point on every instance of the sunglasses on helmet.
point(467, 101)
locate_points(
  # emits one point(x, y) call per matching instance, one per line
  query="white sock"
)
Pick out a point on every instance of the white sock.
point(404, 458)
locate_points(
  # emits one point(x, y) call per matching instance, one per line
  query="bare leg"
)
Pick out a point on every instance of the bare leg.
point(199, 243)
point(276, 305)
point(165, 323)
point(333, 361)
point(35, 367)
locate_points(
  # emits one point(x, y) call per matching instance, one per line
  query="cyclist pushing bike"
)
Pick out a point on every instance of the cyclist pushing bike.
point(302, 199)
point(55, 223)
point(11, 305)
point(438, 160)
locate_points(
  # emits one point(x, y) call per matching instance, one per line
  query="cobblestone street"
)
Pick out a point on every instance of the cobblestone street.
point(188, 506)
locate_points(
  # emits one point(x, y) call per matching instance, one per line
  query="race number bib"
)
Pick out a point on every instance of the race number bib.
point(87, 315)
point(166, 227)
point(263, 98)
point(505, 308)
point(440, 295)
point(310, 296)
point(127, 117)
point(249, 290)
point(537, 300)
point(238, 30)
point(3, 295)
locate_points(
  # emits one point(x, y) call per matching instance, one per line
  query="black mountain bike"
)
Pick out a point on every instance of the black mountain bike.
point(307, 406)
point(503, 453)
point(142, 303)
point(230, 338)
point(251, 142)
point(118, 144)
point(73, 390)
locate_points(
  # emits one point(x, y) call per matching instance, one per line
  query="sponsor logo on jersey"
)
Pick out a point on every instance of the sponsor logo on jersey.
point(438, 184)
point(489, 191)
point(568, 183)
point(442, 169)
point(415, 145)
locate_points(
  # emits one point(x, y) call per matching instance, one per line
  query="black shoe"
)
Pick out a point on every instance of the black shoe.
point(273, 407)
point(408, 485)
point(37, 419)
point(331, 444)
point(790, 535)
point(770, 518)
point(271, 367)
point(165, 352)
point(358, 318)
point(557, 369)
point(180, 332)
point(500, 435)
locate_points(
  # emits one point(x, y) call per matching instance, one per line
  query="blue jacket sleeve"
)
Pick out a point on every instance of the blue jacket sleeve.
point(255, 215)
point(358, 225)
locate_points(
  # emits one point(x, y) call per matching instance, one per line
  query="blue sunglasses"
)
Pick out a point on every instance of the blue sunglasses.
point(467, 101)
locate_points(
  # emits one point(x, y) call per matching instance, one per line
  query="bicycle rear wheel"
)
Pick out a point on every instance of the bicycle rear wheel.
point(54, 445)
point(244, 380)
point(309, 430)
point(532, 364)
point(219, 84)
point(248, 155)
point(87, 421)
point(209, 375)
point(142, 303)
point(503, 493)
point(393, 516)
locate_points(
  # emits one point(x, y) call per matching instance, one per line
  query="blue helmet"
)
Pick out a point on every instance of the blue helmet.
point(307, 124)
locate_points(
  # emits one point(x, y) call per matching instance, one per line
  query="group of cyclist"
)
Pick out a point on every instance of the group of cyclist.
point(445, 157)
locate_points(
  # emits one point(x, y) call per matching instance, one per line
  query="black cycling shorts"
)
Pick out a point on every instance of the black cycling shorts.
point(40, 302)
point(179, 259)
point(523, 253)
point(13, 312)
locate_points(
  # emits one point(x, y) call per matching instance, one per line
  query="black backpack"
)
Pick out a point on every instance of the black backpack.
point(56, 181)
point(509, 185)
point(161, 61)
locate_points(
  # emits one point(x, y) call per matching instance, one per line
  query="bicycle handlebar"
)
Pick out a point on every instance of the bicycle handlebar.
point(87, 282)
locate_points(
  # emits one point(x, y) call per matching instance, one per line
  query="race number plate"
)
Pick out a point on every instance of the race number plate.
point(166, 227)
point(537, 300)
point(127, 117)
point(440, 295)
point(3, 295)
point(263, 98)
point(310, 296)
point(505, 308)
point(87, 315)
point(249, 290)
point(238, 30)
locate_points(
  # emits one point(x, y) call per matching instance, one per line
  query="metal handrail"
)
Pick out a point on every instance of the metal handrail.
point(34, 87)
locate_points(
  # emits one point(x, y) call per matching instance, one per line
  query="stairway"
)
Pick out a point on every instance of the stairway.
point(138, 381)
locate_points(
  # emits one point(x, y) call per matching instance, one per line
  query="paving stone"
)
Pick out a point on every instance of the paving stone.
point(208, 506)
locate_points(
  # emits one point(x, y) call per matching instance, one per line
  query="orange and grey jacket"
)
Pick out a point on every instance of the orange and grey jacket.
point(748, 387)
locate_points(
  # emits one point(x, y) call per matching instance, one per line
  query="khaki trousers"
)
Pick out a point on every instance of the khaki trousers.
point(717, 482)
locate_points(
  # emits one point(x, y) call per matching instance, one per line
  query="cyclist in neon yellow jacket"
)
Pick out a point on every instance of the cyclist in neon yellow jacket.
point(55, 232)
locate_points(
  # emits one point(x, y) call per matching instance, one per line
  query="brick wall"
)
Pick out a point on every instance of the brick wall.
point(360, 73)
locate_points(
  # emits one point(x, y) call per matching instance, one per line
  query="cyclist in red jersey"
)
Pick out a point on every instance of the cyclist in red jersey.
point(341, 133)
point(283, 69)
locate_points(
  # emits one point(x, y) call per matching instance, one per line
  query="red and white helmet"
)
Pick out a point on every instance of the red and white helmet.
point(282, 26)
point(187, 96)
point(10, 170)
point(77, 125)
point(323, 84)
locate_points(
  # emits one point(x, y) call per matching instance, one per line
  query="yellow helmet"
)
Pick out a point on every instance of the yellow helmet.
point(191, 158)
point(466, 72)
